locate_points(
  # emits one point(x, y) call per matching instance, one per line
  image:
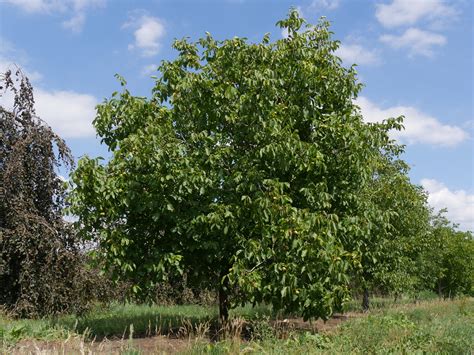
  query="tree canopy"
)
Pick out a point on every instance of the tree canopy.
point(247, 168)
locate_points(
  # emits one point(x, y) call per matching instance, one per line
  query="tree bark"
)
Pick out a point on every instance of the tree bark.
point(365, 300)
point(223, 305)
point(223, 302)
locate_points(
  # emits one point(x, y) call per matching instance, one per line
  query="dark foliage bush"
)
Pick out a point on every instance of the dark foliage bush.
point(41, 267)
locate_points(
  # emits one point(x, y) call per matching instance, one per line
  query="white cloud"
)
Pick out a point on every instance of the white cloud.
point(69, 113)
point(459, 203)
point(148, 31)
point(39, 6)
point(149, 69)
point(320, 5)
point(78, 9)
point(75, 8)
point(355, 53)
point(419, 126)
point(409, 12)
point(83, 4)
point(317, 7)
point(75, 23)
point(416, 40)
point(55, 6)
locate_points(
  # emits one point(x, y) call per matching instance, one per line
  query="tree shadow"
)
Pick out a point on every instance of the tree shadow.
point(146, 321)
point(126, 321)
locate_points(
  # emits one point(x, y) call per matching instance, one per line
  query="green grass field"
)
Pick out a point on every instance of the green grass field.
point(115, 321)
point(428, 327)
point(445, 327)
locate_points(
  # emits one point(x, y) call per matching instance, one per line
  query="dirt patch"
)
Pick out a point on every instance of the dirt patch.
point(319, 326)
point(151, 345)
point(161, 344)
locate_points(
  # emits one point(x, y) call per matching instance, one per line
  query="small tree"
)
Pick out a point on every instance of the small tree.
point(448, 259)
point(39, 260)
point(398, 233)
point(244, 170)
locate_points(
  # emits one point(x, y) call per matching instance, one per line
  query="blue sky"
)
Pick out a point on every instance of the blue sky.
point(415, 58)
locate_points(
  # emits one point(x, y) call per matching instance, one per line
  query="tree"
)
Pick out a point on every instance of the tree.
point(38, 251)
point(448, 259)
point(398, 234)
point(244, 170)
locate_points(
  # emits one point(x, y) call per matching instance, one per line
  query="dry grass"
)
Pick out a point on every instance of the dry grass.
point(431, 326)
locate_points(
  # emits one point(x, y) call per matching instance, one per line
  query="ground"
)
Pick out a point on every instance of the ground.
point(427, 327)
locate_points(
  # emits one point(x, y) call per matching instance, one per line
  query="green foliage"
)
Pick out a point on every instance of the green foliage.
point(40, 264)
point(449, 259)
point(407, 250)
point(392, 257)
point(245, 169)
point(261, 328)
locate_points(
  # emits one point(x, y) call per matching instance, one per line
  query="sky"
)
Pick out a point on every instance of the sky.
point(415, 58)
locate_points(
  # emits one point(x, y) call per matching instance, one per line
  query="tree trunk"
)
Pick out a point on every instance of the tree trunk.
point(440, 289)
point(365, 300)
point(223, 304)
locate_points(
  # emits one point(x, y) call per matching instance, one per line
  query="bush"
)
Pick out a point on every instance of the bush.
point(40, 262)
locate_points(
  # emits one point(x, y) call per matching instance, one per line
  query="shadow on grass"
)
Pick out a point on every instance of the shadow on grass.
point(130, 320)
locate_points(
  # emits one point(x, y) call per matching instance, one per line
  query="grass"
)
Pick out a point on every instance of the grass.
point(147, 320)
point(427, 327)
point(445, 327)
point(442, 326)
point(115, 320)
point(377, 303)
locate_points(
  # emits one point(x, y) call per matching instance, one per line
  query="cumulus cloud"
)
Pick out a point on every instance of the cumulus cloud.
point(419, 127)
point(148, 31)
point(409, 12)
point(460, 204)
point(416, 41)
point(355, 53)
point(69, 113)
point(75, 9)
